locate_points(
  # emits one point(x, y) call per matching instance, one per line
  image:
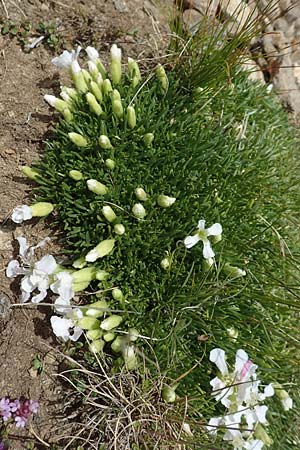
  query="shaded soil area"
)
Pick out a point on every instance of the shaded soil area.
point(140, 29)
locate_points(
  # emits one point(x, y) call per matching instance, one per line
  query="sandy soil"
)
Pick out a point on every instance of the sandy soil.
point(140, 28)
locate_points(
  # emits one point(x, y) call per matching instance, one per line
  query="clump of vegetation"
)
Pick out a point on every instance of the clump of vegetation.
point(177, 199)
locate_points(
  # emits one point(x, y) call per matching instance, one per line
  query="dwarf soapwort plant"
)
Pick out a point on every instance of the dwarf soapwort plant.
point(135, 163)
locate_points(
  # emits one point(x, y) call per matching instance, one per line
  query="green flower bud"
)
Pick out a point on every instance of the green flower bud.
point(96, 91)
point(110, 164)
point(118, 344)
point(165, 263)
point(129, 357)
point(141, 194)
point(117, 295)
point(133, 334)
point(148, 139)
point(87, 77)
point(207, 264)
point(232, 333)
point(119, 229)
point(68, 116)
point(116, 95)
point(168, 394)
point(97, 309)
point(134, 72)
point(117, 108)
point(80, 286)
point(260, 433)
point(92, 335)
point(30, 173)
point(79, 263)
point(88, 323)
point(111, 322)
point(161, 75)
point(97, 187)
point(216, 239)
point(106, 86)
point(101, 68)
point(77, 139)
point(282, 394)
point(108, 337)
point(93, 104)
point(76, 175)
point(234, 271)
point(101, 250)
point(57, 103)
point(108, 213)
point(139, 211)
point(101, 275)
point(83, 275)
point(71, 92)
point(131, 117)
point(104, 142)
point(165, 201)
point(78, 77)
point(96, 346)
point(41, 209)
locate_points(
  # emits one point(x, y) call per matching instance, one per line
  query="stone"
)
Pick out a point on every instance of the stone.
point(191, 19)
point(207, 8)
point(255, 72)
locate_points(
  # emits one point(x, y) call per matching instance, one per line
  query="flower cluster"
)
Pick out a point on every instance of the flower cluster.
point(239, 391)
point(18, 410)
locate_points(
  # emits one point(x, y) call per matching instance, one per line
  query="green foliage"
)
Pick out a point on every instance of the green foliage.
point(224, 149)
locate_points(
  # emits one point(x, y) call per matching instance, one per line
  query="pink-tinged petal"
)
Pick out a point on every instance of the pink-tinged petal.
point(207, 250)
point(214, 230)
point(47, 264)
point(201, 225)
point(39, 297)
point(13, 269)
point(190, 241)
point(217, 356)
point(22, 246)
point(241, 358)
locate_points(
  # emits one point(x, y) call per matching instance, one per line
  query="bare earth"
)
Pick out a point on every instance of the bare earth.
point(140, 28)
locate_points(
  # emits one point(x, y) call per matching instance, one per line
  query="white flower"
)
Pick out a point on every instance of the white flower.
point(221, 391)
point(202, 235)
point(115, 53)
point(61, 326)
point(36, 274)
point(92, 53)
point(20, 213)
point(213, 424)
point(217, 356)
point(65, 60)
point(63, 286)
point(255, 444)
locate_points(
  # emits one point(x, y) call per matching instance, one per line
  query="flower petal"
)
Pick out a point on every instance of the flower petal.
point(13, 269)
point(207, 250)
point(22, 246)
point(60, 327)
point(27, 285)
point(201, 225)
point(190, 241)
point(20, 213)
point(76, 334)
point(241, 359)
point(217, 356)
point(39, 297)
point(47, 264)
point(25, 296)
point(214, 230)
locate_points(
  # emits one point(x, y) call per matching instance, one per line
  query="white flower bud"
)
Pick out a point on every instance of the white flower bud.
point(165, 201)
point(161, 75)
point(78, 139)
point(165, 263)
point(30, 173)
point(106, 86)
point(104, 248)
point(117, 295)
point(118, 344)
point(101, 275)
point(41, 209)
point(97, 346)
point(111, 322)
point(234, 271)
point(115, 64)
point(78, 77)
point(104, 142)
point(131, 117)
point(108, 337)
point(117, 108)
point(68, 116)
point(79, 263)
point(97, 309)
point(93, 70)
point(96, 91)
point(139, 211)
point(129, 357)
point(110, 164)
point(134, 72)
point(56, 103)
point(148, 139)
point(119, 229)
point(141, 194)
point(76, 175)
point(116, 95)
point(93, 104)
point(92, 335)
point(108, 213)
point(87, 77)
point(97, 187)
point(89, 323)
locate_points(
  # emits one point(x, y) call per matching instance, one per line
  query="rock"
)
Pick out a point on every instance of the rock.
point(286, 86)
point(208, 8)
point(120, 6)
point(255, 72)
point(239, 13)
point(191, 19)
